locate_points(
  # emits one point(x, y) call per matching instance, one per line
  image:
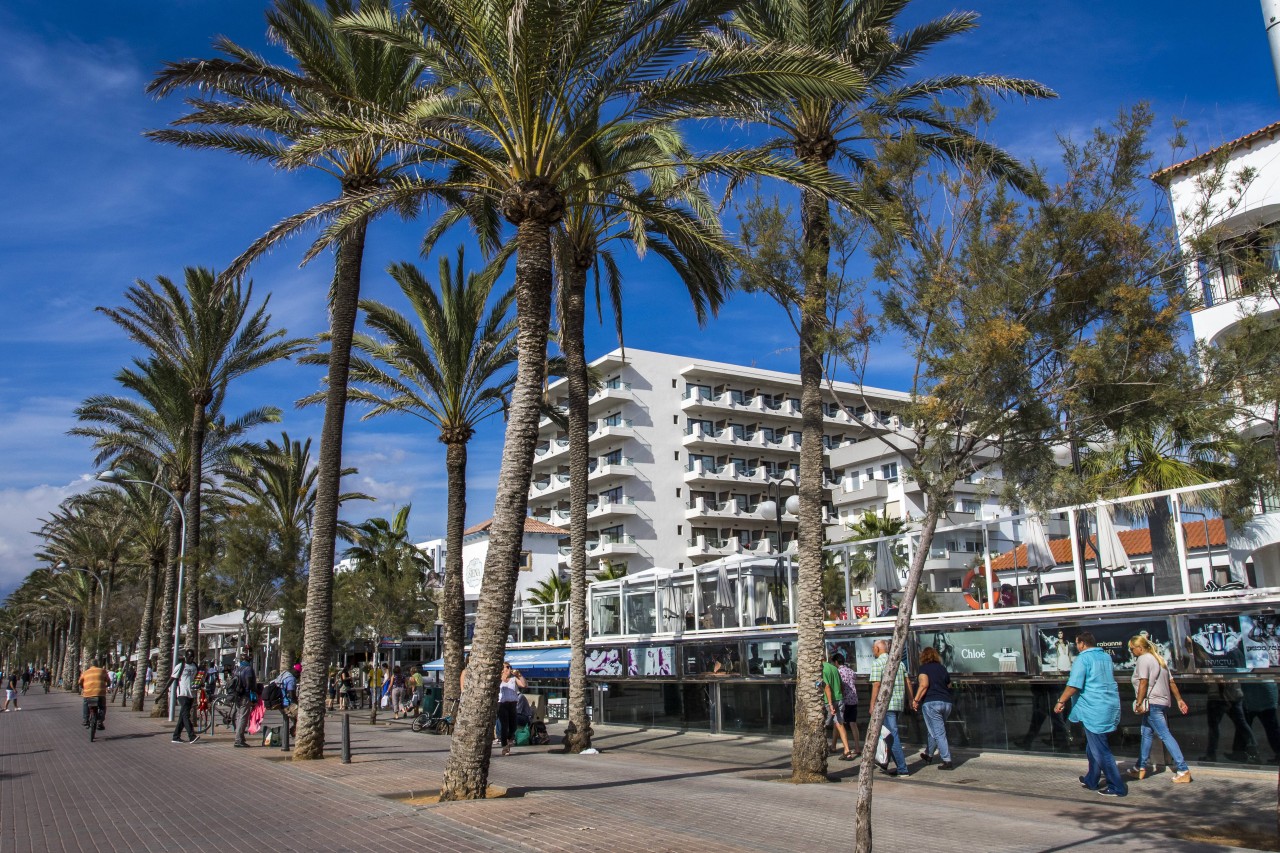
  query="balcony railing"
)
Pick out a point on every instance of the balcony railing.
point(1027, 573)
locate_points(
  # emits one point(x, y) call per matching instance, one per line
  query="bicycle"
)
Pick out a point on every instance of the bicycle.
point(96, 712)
point(435, 722)
point(221, 709)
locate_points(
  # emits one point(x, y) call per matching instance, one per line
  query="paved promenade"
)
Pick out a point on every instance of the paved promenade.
point(656, 791)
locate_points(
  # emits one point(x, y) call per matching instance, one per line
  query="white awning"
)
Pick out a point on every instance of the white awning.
point(229, 623)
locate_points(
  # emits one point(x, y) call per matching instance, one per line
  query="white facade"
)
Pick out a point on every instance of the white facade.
point(685, 451)
point(539, 558)
point(1216, 287)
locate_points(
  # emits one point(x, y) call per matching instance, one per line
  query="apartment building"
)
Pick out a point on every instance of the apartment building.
point(684, 452)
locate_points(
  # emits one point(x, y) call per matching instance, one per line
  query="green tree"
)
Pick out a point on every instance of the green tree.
point(450, 366)
point(281, 480)
point(205, 332)
point(1022, 321)
point(300, 118)
point(389, 581)
point(824, 131)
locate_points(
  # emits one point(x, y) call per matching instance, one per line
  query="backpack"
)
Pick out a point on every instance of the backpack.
point(273, 696)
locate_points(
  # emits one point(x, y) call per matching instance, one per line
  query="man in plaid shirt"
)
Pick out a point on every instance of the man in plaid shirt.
point(897, 701)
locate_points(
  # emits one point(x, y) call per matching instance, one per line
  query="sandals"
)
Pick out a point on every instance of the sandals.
point(848, 756)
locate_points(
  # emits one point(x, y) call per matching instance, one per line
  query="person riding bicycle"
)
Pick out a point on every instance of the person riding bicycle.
point(93, 683)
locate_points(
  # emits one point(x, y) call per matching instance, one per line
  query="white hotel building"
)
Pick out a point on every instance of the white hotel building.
point(683, 452)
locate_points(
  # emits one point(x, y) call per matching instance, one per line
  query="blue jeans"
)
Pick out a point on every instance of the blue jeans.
point(1155, 724)
point(899, 757)
point(1102, 763)
point(935, 722)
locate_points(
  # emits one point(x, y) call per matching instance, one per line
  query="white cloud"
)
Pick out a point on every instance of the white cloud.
point(20, 513)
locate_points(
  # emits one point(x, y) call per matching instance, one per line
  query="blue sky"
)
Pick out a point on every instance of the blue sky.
point(89, 206)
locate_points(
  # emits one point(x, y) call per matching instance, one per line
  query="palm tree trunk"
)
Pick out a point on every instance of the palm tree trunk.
point(164, 662)
point(466, 773)
point(144, 633)
point(573, 298)
point(809, 741)
point(897, 648)
point(1167, 575)
point(453, 606)
point(192, 577)
point(344, 299)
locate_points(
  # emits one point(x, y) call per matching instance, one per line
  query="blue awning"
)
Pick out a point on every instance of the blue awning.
point(533, 663)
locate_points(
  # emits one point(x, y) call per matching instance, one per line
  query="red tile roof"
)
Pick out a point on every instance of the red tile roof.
point(1136, 543)
point(531, 525)
point(1168, 171)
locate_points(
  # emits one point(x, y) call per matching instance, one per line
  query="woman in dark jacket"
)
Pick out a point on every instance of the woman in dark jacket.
point(933, 698)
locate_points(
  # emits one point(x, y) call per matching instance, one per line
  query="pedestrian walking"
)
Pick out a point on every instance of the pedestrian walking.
point(898, 686)
point(93, 683)
point(244, 683)
point(508, 695)
point(833, 694)
point(849, 684)
point(182, 679)
point(1155, 693)
point(1097, 708)
point(933, 699)
point(397, 693)
point(345, 686)
point(11, 692)
point(289, 696)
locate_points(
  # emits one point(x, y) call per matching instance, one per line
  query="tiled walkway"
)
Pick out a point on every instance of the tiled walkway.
point(133, 790)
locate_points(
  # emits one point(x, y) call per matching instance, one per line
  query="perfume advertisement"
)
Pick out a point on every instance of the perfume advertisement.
point(991, 650)
point(1261, 633)
point(1216, 642)
point(604, 662)
point(1058, 644)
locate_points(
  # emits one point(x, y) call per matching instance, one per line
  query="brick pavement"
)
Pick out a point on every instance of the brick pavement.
point(648, 791)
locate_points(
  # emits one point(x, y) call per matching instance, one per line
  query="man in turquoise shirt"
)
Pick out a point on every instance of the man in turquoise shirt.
point(1097, 708)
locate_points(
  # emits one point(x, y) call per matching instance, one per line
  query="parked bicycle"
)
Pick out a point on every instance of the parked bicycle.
point(221, 708)
point(436, 722)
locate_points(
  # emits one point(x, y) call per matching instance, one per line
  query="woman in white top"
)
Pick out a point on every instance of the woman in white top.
point(508, 693)
point(1156, 693)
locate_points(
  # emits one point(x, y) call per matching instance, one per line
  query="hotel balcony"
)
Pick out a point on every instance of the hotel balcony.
point(700, 474)
point(704, 546)
point(615, 391)
point(548, 486)
point(550, 449)
point(703, 509)
point(608, 508)
point(872, 490)
point(612, 544)
point(601, 470)
point(546, 421)
point(611, 428)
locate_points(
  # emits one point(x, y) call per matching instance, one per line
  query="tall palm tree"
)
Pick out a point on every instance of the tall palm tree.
point(824, 131)
point(521, 90)
point(150, 427)
point(449, 366)
point(296, 118)
point(206, 333)
point(658, 217)
point(281, 480)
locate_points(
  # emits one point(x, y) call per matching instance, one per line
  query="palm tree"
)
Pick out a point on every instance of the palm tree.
point(555, 590)
point(204, 331)
point(821, 130)
point(657, 216)
point(150, 428)
point(281, 480)
point(264, 111)
point(449, 367)
point(1150, 457)
point(394, 575)
point(521, 91)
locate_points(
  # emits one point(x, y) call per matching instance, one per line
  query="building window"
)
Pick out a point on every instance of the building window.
point(679, 529)
point(970, 506)
point(526, 561)
point(889, 471)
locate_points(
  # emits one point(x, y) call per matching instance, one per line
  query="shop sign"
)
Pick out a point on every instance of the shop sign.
point(989, 650)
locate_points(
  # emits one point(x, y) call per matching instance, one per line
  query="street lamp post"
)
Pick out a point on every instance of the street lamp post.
point(773, 508)
point(114, 476)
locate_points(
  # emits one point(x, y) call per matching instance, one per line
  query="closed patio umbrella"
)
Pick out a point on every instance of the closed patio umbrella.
point(1039, 554)
point(887, 579)
point(724, 594)
point(1111, 554)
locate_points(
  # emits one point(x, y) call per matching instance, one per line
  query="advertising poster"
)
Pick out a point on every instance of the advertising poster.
point(1057, 644)
point(991, 650)
point(857, 651)
point(651, 660)
point(1261, 635)
point(604, 662)
point(1216, 642)
point(771, 657)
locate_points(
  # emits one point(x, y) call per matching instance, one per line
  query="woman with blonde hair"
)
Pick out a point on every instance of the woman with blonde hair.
point(1155, 692)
